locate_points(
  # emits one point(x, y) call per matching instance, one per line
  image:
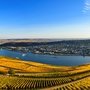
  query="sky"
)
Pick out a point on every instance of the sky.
point(44, 19)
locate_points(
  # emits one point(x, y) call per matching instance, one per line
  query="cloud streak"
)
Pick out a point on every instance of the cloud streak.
point(87, 6)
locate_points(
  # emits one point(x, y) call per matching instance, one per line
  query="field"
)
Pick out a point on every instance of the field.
point(38, 76)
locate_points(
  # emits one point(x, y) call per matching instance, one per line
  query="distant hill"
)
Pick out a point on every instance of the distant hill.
point(27, 40)
point(42, 42)
point(17, 40)
point(37, 40)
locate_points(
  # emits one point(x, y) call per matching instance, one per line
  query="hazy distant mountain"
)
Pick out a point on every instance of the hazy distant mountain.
point(27, 40)
point(37, 40)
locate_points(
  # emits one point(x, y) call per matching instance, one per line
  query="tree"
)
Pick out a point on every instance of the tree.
point(11, 71)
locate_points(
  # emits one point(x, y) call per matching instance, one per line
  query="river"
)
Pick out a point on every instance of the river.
point(48, 59)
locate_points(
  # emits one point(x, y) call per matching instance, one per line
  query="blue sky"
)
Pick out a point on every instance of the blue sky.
point(44, 19)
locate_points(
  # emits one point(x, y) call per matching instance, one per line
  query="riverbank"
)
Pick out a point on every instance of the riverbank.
point(34, 67)
point(28, 66)
point(40, 53)
point(47, 59)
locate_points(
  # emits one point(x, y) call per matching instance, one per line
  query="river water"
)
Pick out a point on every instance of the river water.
point(48, 59)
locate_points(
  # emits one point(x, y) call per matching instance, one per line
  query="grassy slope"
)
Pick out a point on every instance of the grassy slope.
point(28, 66)
point(55, 75)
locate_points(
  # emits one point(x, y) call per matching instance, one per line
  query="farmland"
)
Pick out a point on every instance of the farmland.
point(34, 75)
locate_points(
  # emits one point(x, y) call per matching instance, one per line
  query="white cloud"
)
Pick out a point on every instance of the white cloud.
point(87, 6)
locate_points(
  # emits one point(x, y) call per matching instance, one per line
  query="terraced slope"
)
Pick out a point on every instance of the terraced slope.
point(27, 66)
point(82, 84)
point(33, 75)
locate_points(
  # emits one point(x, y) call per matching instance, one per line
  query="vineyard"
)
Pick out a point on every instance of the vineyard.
point(30, 83)
point(79, 85)
point(12, 82)
point(42, 76)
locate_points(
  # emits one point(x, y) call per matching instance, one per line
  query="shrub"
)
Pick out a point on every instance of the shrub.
point(11, 71)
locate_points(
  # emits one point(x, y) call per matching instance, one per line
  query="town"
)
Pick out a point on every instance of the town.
point(65, 48)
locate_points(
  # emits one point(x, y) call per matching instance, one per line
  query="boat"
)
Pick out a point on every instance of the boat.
point(23, 54)
point(17, 57)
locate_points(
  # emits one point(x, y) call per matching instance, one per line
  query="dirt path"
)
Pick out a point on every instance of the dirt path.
point(55, 87)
